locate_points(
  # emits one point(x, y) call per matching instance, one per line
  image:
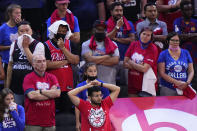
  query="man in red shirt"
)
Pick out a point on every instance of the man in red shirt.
point(40, 90)
point(95, 113)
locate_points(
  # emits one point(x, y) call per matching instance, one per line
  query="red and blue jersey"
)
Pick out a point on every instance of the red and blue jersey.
point(63, 74)
point(182, 27)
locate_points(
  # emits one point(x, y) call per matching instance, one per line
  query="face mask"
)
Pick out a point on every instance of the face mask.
point(91, 78)
point(173, 48)
point(59, 35)
point(99, 36)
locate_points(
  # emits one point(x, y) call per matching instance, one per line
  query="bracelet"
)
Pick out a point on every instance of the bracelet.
point(187, 83)
point(101, 84)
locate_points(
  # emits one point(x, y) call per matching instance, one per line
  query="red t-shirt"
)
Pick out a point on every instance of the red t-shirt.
point(169, 17)
point(40, 113)
point(140, 56)
point(95, 118)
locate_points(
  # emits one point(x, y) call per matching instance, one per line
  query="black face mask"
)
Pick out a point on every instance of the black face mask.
point(91, 78)
point(59, 35)
point(99, 36)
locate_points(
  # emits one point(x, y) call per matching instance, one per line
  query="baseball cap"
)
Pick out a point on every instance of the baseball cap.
point(99, 23)
point(62, 1)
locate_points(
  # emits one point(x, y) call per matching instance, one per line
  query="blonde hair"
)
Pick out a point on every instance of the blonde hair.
point(10, 9)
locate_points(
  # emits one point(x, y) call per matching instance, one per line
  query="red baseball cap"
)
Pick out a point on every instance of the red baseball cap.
point(99, 23)
point(62, 1)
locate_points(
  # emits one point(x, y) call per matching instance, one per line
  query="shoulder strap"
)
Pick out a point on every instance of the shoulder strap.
point(33, 45)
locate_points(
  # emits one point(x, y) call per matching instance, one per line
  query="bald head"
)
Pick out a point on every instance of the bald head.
point(35, 57)
point(39, 63)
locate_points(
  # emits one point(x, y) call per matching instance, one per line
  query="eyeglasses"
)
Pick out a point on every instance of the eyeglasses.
point(173, 40)
point(98, 95)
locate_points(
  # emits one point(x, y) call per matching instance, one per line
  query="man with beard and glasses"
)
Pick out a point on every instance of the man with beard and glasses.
point(122, 32)
point(95, 113)
point(101, 50)
point(60, 54)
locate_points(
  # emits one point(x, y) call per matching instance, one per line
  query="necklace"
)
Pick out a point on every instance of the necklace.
point(174, 55)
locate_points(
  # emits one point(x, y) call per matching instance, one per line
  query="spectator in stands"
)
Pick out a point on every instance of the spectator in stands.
point(186, 27)
point(169, 11)
point(87, 11)
point(140, 57)
point(21, 59)
point(101, 50)
point(8, 32)
point(4, 4)
point(12, 115)
point(63, 13)
point(159, 27)
point(133, 9)
point(60, 54)
point(175, 67)
point(95, 112)
point(122, 32)
point(2, 75)
point(90, 74)
point(40, 89)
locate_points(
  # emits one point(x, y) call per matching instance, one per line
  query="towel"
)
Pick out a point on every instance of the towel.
point(148, 83)
point(111, 24)
point(20, 41)
point(69, 18)
point(109, 45)
point(188, 92)
point(54, 28)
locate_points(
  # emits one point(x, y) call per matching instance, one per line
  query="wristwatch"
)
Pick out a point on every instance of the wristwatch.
point(117, 27)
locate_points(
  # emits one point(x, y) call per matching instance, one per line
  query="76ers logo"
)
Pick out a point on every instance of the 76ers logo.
point(96, 117)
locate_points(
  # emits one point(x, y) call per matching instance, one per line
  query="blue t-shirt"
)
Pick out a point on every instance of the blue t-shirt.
point(84, 94)
point(16, 122)
point(7, 36)
point(76, 24)
point(123, 47)
point(177, 69)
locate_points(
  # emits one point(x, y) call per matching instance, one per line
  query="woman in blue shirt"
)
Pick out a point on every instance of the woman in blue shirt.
point(175, 67)
point(90, 74)
point(12, 116)
point(8, 31)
